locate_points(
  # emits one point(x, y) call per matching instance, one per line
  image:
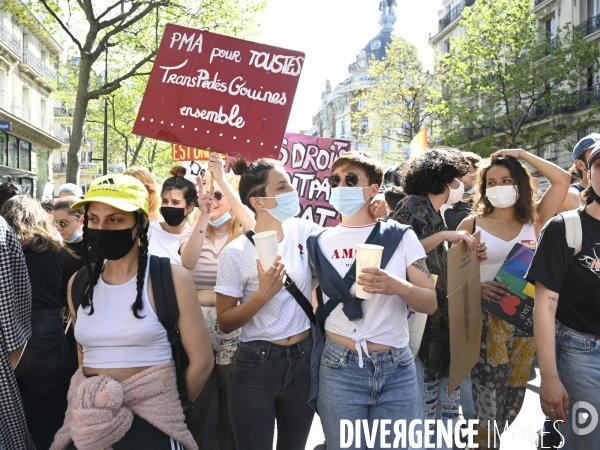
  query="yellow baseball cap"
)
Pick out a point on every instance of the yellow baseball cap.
point(121, 191)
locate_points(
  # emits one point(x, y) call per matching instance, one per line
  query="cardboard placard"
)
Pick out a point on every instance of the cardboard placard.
point(211, 91)
point(517, 308)
point(464, 306)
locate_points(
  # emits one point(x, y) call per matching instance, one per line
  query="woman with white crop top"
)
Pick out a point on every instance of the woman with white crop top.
point(177, 198)
point(124, 394)
point(506, 213)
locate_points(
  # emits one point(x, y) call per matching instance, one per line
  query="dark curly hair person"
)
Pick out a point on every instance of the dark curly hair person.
point(431, 181)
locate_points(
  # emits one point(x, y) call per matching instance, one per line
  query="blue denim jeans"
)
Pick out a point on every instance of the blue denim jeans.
point(270, 382)
point(385, 388)
point(578, 361)
point(434, 401)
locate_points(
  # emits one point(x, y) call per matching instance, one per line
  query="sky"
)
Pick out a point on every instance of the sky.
point(332, 33)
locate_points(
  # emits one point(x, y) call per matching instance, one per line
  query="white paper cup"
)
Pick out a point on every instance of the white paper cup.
point(266, 247)
point(367, 255)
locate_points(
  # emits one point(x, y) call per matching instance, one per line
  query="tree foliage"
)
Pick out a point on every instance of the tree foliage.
point(398, 104)
point(131, 30)
point(509, 84)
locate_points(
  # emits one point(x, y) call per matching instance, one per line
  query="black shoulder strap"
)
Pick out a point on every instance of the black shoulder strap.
point(167, 311)
point(291, 287)
point(79, 286)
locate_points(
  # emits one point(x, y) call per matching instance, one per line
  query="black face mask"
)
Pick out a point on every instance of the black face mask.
point(173, 216)
point(110, 244)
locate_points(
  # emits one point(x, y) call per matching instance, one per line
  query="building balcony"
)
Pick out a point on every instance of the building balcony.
point(59, 168)
point(60, 132)
point(63, 112)
point(589, 26)
point(44, 71)
point(539, 2)
point(575, 102)
point(454, 14)
point(10, 41)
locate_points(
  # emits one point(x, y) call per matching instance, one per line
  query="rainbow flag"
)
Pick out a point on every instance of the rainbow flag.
point(418, 145)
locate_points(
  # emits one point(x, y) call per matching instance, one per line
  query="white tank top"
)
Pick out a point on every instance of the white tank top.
point(498, 249)
point(112, 338)
point(162, 243)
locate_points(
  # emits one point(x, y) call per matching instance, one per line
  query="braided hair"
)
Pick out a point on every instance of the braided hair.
point(96, 270)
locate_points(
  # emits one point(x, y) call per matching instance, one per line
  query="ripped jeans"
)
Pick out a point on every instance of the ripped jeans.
point(434, 401)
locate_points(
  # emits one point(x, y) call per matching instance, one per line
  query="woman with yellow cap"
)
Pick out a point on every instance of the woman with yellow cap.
point(125, 393)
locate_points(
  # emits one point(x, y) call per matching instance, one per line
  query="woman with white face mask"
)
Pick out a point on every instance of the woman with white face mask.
point(506, 213)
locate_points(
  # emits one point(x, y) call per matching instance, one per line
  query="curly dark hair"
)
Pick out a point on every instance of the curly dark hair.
point(433, 171)
point(525, 206)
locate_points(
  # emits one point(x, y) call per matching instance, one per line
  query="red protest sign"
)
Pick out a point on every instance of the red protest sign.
point(308, 160)
point(185, 153)
point(211, 91)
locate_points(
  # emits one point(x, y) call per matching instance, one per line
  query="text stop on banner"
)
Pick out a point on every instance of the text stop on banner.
point(211, 91)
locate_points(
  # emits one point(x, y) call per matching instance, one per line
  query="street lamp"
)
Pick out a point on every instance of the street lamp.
point(105, 151)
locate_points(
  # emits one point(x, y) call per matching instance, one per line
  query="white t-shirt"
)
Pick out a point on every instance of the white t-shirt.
point(281, 317)
point(162, 243)
point(384, 318)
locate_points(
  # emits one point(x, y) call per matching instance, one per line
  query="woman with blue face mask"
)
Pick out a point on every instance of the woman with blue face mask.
point(69, 223)
point(270, 376)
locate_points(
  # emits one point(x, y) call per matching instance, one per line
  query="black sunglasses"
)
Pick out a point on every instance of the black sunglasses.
point(351, 180)
point(218, 195)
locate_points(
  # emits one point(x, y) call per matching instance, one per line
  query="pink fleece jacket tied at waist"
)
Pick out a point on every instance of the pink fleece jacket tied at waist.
point(101, 409)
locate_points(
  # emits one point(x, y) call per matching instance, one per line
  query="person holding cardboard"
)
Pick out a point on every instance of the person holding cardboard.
point(566, 273)
point(506, 213)
point(367, 332)
point(431, 180)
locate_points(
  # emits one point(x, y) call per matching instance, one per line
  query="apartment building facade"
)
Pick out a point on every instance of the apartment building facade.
point(582, 15)
point(28, 78)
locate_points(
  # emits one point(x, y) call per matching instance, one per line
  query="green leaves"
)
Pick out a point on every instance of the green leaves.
point(397, 105)
point(506, 80)
point(132, 31)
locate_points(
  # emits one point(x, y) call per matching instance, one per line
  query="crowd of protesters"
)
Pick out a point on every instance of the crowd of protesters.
point(87, 360)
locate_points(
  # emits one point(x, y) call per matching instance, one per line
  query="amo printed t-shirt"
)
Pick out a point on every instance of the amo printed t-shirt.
point(384, 317)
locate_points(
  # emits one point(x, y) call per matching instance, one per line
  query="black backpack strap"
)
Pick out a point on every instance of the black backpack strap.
point(291, 287)
point(167, 311)
point(79, 286)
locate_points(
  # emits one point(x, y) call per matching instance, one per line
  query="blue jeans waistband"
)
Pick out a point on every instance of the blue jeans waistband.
point(351, 355)
point(305, 345)
point(563, 329)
